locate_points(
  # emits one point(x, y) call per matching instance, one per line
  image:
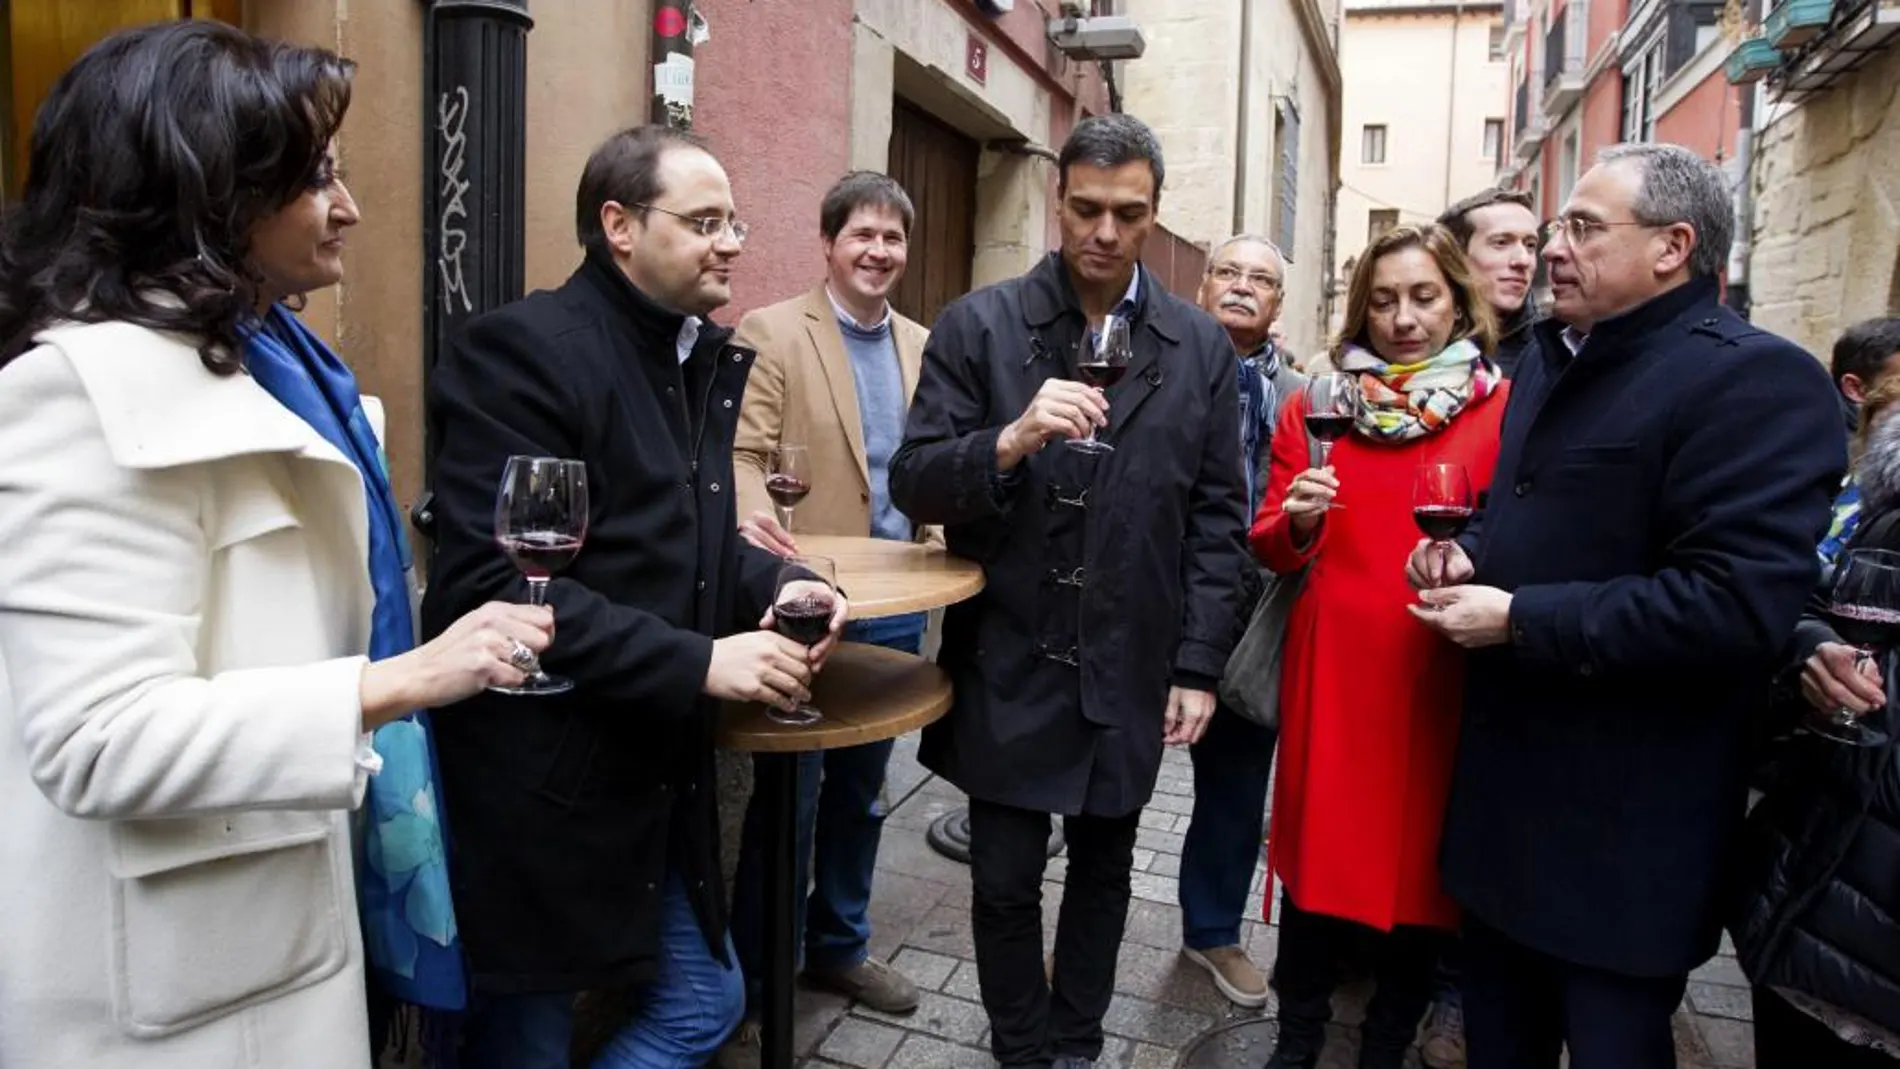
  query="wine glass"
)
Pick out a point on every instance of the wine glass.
point(540, 522)
point(1864, 609)
point(789, 480)
point(802, 604)
point(1441, 504)
point(1101, 361)
point(1332, 402)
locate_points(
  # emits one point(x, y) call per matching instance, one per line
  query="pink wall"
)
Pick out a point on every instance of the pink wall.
point(1602, 116)
point(772, 95)
point(1606, 18)
point(1705, 120)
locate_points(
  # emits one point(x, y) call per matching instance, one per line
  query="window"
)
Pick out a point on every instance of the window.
point(1494, 141)
point(1286, 150)
point(1372, 144)
point(1640, 82)
point(1692, 25)
point(1568, 158)
point(1496, 48)
point(1380, 220)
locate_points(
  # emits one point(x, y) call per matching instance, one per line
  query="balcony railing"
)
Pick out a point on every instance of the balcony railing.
point(1521, 108)
point(1566, 48)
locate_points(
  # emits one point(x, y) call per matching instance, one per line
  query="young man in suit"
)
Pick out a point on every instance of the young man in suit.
point(835, 370)
point(586, 839)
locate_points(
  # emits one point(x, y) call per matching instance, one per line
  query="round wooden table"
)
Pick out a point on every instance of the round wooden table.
point(868, 694)
point(882, 577)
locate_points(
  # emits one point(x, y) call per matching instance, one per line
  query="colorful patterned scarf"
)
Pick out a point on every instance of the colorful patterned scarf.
point(1407, 401)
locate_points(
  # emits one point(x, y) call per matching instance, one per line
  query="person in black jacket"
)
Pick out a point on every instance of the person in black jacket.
point(1628, 589)
point(1110, 600)
point(584, 838)
point(1818, 933)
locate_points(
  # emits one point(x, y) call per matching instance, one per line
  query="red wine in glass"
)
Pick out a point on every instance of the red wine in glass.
point(1441, 523)
point(1332, 403)
point(1441, 504)
point(540, 554)
point(1328, 427)
point(1101, 374)
point(805, 598)
point(1101, 361)
point(789, 480)
point(541, 522)
point(786, 490)
point(1864, 610)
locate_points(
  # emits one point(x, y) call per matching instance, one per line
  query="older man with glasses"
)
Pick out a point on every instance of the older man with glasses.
point(1627, 591)
point(1233, 761)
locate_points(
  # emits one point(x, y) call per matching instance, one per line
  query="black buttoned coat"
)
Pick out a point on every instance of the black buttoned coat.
point(567, 814)
point(1654, 512)
point(1062, 664)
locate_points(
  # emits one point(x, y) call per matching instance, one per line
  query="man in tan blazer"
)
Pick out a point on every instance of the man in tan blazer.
point(835, 370)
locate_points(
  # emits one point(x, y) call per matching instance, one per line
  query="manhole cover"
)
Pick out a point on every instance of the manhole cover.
point(1242, 1044)
point(949, 835)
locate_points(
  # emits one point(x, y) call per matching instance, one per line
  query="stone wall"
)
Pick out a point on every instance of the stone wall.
point(1187, 87)
point(1827, 209)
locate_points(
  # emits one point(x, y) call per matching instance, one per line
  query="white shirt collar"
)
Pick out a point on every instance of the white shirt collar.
point(844, 315)
point(688, 337)
point(1574, 339)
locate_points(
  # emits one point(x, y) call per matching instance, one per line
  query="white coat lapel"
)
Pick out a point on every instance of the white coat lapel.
point(160, 407)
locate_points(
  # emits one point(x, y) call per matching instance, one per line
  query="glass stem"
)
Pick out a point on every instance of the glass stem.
point(538, 591)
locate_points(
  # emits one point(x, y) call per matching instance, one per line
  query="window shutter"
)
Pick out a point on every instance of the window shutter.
point(1289, 177)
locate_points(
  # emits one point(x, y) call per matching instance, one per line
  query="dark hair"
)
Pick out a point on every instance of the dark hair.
point(625, 169)
point(862, 189)
point(1457, 217)
point(1110, 141)
point(1864, 347)
point(153, 157)
point(1476, 320)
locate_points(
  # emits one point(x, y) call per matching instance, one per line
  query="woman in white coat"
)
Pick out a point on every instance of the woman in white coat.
point(203, 606)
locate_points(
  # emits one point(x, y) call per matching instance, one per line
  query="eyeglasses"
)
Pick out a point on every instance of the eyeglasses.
point(1580, 229)
point(1227, 274)
point(706, 226)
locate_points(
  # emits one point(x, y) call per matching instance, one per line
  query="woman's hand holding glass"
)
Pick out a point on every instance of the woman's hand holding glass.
point(480, 650)
point(1308, 498)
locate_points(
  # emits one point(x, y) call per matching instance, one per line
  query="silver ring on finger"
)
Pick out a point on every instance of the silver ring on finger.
point(520, 656)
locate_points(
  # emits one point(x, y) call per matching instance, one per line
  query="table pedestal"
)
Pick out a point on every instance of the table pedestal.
point(775, 775)
point(868, 694)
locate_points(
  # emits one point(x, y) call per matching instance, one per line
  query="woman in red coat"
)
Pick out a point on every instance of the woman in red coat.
point(1369, 698)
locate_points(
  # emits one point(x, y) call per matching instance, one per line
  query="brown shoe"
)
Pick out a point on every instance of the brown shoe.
point(1234, 975)
point(871, 982)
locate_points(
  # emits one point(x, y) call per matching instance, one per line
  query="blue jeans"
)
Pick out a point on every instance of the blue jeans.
point(691, 1007)
point(1232, 763)
point(840, 821)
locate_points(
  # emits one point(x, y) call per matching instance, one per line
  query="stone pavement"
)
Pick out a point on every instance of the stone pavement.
point(921, 919)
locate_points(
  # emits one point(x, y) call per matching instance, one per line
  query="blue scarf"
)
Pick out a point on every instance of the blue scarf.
point(402, 875)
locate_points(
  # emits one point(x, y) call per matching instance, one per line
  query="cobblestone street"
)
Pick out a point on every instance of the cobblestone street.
point(921, 916)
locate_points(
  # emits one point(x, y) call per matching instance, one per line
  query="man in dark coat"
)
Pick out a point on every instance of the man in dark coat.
point(584, 838)
point(1646, 550)
point(1109, 605)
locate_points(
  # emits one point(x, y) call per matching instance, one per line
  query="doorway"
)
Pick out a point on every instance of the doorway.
point(936, 165)
point(39, 39)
